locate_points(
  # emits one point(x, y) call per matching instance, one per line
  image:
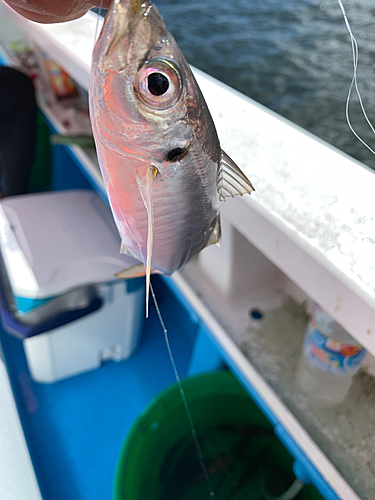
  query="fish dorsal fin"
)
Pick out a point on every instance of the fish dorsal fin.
point(231, 180)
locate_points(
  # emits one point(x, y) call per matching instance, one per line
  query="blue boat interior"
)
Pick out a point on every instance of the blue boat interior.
point(75, 428)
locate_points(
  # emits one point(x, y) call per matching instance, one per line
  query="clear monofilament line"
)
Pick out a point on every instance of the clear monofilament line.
point(354, 82)
point(184, 400)
point(97, 21)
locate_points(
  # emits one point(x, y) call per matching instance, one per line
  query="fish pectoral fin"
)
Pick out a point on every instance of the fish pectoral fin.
point(124, 250)
point(216, 233)
point(135, 271)
point(231, 180)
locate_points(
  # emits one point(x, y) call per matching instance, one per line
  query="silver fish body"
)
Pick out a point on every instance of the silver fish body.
point(148, 112)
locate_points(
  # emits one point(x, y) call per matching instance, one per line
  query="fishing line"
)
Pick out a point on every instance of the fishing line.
point(354, 82)
point(184, 400)
point(97, 21)
point(148, 203)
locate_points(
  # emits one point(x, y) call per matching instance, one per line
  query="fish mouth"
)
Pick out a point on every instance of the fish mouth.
point(135, 28)
point(136, 4)
point(120, 22)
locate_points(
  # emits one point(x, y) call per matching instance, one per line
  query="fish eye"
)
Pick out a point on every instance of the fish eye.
point(158, 84)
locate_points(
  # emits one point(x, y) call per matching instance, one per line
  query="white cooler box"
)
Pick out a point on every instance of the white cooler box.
point(60, 252)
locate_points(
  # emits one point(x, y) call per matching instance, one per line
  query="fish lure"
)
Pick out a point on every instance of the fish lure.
point(163, 168)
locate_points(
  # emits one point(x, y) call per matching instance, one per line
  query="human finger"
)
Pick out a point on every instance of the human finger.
point(54, 11)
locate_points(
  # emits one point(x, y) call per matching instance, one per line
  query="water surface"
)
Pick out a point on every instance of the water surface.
point(292, 56)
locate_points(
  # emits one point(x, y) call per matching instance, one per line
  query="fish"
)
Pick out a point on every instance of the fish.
point(159, 153)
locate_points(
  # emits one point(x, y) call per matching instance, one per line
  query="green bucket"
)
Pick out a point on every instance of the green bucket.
point(243, 457)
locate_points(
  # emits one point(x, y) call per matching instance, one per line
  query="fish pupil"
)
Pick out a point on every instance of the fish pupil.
point(158, 84)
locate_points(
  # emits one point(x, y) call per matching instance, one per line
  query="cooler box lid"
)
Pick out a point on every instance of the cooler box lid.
point(52, 242)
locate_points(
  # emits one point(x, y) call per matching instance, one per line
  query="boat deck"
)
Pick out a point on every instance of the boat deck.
point(75, 428)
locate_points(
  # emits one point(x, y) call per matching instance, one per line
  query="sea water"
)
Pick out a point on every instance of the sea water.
point(294, 57)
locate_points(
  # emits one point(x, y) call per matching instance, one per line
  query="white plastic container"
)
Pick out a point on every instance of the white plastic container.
point(55, 243)
point(329, 359)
